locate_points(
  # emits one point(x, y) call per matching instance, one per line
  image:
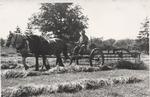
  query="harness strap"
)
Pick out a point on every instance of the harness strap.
point(15, 40)
point(27, 45)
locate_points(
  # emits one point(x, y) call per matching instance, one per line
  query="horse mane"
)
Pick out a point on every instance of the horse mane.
point(35, 42)
point(20, 36)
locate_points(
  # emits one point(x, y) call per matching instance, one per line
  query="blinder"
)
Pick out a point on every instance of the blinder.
point(20, 42)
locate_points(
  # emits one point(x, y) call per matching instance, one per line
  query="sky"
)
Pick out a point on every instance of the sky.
point(118, 19)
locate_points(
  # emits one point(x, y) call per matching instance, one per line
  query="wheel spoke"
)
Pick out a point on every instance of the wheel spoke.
point(96, 57)
point(97, 60)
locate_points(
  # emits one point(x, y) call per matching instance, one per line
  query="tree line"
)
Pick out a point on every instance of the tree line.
point(141, 43)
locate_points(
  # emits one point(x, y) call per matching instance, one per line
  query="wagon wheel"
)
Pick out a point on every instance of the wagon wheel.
point(96, 57)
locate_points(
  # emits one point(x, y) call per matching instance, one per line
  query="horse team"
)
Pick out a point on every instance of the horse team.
point(38, 45)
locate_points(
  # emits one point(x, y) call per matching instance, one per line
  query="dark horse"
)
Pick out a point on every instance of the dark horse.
point(38, 45)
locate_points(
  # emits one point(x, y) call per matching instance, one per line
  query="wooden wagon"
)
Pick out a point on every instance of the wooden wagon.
point(99, 56)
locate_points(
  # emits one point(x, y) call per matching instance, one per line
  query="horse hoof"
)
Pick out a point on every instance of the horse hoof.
point(47, 67)
point(36, 69)
point(26, 68)
point(62, 65)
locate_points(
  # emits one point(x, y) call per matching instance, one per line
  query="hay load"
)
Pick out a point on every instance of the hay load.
point(55, 70)
point(73, 69)
point(67, 87)
point(60, 70)
point(70, 87)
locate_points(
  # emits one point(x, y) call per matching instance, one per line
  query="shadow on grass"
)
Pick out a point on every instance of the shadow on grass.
point(114, 94)
point(123, 64)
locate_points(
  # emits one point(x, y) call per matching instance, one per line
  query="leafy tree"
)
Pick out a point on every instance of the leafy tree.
point(92, 46)
point(143, 36)
point(63, 19)
point(100, 43)
point(111, 43)
point(18, 30)
point(96, 42)
point(124, 43)
point(108, 44)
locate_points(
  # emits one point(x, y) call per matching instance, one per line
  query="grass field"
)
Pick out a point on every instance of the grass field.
point(140, 89)
point(125, 90)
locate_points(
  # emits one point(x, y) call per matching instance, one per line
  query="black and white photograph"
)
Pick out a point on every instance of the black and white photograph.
point(74, 48)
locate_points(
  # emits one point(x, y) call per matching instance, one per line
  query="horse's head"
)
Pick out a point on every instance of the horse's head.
point(16, 40)
point(9, 40)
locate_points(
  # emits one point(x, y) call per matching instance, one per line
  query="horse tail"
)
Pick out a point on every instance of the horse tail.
point(65, 53)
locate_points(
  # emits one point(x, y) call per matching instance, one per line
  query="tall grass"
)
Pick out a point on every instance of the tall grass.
point(123, 64)
point(140, 65)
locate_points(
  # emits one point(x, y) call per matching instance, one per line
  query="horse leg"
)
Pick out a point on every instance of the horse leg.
point(77, 62)
point(44, 62)
point(71, 60)
point(37, 63)
point(59, 60)
point(47, 63)
point(24, 63)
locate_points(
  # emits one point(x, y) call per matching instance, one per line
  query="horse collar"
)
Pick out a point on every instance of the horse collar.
point(27, 45)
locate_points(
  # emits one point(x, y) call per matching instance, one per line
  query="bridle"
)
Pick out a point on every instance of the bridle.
point(14, 43)
point(24, 43)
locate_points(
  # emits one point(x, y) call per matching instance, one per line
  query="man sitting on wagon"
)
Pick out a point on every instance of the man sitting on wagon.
point(81, 43)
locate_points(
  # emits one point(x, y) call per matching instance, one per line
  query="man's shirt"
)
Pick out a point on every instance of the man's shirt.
point(83, 39)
